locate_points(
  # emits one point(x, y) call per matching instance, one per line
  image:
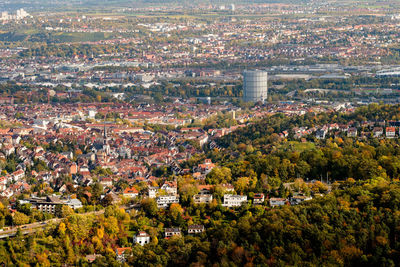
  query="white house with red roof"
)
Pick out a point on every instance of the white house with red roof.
point(142, 238)
point(170, 187)
point(18, 175)
point(131, 192)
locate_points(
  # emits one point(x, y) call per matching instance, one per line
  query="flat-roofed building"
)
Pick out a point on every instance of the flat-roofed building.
point(234, 200)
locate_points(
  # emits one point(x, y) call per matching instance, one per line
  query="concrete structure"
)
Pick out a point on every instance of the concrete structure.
point(255, 85)
point(46, 204)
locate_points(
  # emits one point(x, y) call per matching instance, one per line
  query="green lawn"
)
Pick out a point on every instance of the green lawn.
point(297, 146)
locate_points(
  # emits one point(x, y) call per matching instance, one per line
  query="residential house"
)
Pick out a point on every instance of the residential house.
point(258, 198)
point(130, 192)
point(9, 149)
point(333, 126)
point(274, 201)
point(106, 181)
point(202, 198)
point(18, 175)
point(204, 195)
point(152, 191)
point(352, 132)
point(3, 183)
point(92, 257)
point(120, 253)
point(195, 229)
point(390, 132)
point(172, 232)
point(73, 168)
point(228, 188)
point(115, 198)
point(164, 201)
point(142, 238)
point(206, 167)
point(234, 200)
point(170, 187)
point(377, 131)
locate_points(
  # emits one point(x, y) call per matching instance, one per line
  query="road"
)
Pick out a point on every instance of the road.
point(34, 227)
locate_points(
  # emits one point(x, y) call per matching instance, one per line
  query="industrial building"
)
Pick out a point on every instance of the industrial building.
point(255, 85)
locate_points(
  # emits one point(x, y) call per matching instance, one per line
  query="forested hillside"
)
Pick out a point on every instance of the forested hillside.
point(357, 224)
point(260, 151)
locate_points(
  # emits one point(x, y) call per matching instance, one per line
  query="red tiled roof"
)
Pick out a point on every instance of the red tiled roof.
point(121, 251)
point(130, 190)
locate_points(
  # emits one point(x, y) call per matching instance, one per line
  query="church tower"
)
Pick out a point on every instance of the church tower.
point(106, 146)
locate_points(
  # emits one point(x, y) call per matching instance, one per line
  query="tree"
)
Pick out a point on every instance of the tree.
point(19, 218)
point(66, 211)
point(319, 187)
point(219, 175)
point(241, 184)
point(107, 200)
point(111, 226)
point(97, 190)
point(176, 211)
point(61, 229)
point(149, 205)
point(187, 191)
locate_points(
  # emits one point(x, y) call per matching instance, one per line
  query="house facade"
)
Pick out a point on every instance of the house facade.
point(274, 201)
point(172, 232)
point(195, 229)
point(164, 201)
point(234, 200)
point(258, 199)
point(142, 238)
point(130, 192)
